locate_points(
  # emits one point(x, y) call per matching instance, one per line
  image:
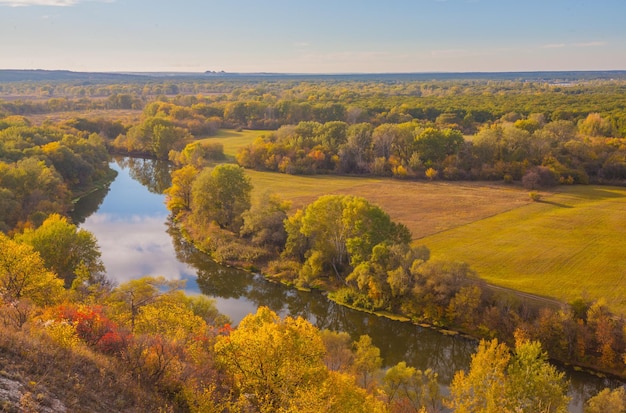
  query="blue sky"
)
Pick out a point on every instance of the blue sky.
point(315, 36)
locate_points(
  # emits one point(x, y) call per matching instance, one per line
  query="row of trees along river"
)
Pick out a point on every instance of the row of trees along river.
point(137, 238)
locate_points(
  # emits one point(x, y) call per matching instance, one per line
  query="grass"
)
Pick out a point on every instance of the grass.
point(425, 208)
point(572, 244)
point(233, 140)
point(41, 374)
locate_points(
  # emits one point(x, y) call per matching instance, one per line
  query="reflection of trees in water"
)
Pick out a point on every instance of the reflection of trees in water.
point(88, 205)
point(151, 173)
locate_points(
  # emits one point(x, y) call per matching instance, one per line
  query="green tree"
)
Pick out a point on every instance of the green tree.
point(339, 233)
point(66, 250)
point(221, 195)
point(435, 144)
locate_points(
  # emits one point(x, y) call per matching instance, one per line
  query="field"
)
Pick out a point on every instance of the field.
point(426, 208)
point(233, 140)
point(571, 244)
point(123, 115)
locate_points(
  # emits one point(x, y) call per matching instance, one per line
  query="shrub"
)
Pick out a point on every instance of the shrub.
point(539, 177)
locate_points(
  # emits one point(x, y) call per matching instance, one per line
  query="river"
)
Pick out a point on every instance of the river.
point(131, 223)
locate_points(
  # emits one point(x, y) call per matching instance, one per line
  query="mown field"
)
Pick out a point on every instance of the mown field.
point(570, 245)
point(426, 208)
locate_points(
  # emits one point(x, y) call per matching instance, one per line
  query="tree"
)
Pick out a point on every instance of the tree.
point(406, 386)
point(595, 125)
point(263, 223)
point(273, 360)
point(179, 194)
point(130, 297)
point(23, 275)
point(534, 385)
point(221, 195)
point(339, 233)
point(500, 382)
point(66, 250)
point(338, 356)
point(481, 389)
point(435, 144)
point(613, 401)
point(367, 361)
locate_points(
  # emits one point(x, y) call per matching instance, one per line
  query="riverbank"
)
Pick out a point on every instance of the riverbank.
point(96, 186)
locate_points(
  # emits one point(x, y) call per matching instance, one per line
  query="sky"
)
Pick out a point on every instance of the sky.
point(313, 36)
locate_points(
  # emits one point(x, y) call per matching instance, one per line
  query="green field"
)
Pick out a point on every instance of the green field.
point(571, 245)
point(233, 140)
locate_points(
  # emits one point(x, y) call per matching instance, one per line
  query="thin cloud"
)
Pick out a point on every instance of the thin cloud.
point(553, 46)
point(26, 3)
point(590, 44)
point(450, 53)
point(47, 3)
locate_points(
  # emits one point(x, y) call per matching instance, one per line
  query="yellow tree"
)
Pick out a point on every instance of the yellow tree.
point(497, 381)
point(23, 274)
point(273, 360)
point(481, 389)
point(367, 362)
point(179, 194)
point(66, 249)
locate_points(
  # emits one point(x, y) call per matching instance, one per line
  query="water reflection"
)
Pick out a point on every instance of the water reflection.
point(153, 174)
point(240, 293)
point(131, 231)
point(88, 205)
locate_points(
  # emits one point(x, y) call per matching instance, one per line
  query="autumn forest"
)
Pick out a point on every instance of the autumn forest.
point(554, 141)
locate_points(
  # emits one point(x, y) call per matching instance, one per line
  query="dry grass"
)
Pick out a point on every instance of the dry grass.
point(44, 376)
point(426, 208)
